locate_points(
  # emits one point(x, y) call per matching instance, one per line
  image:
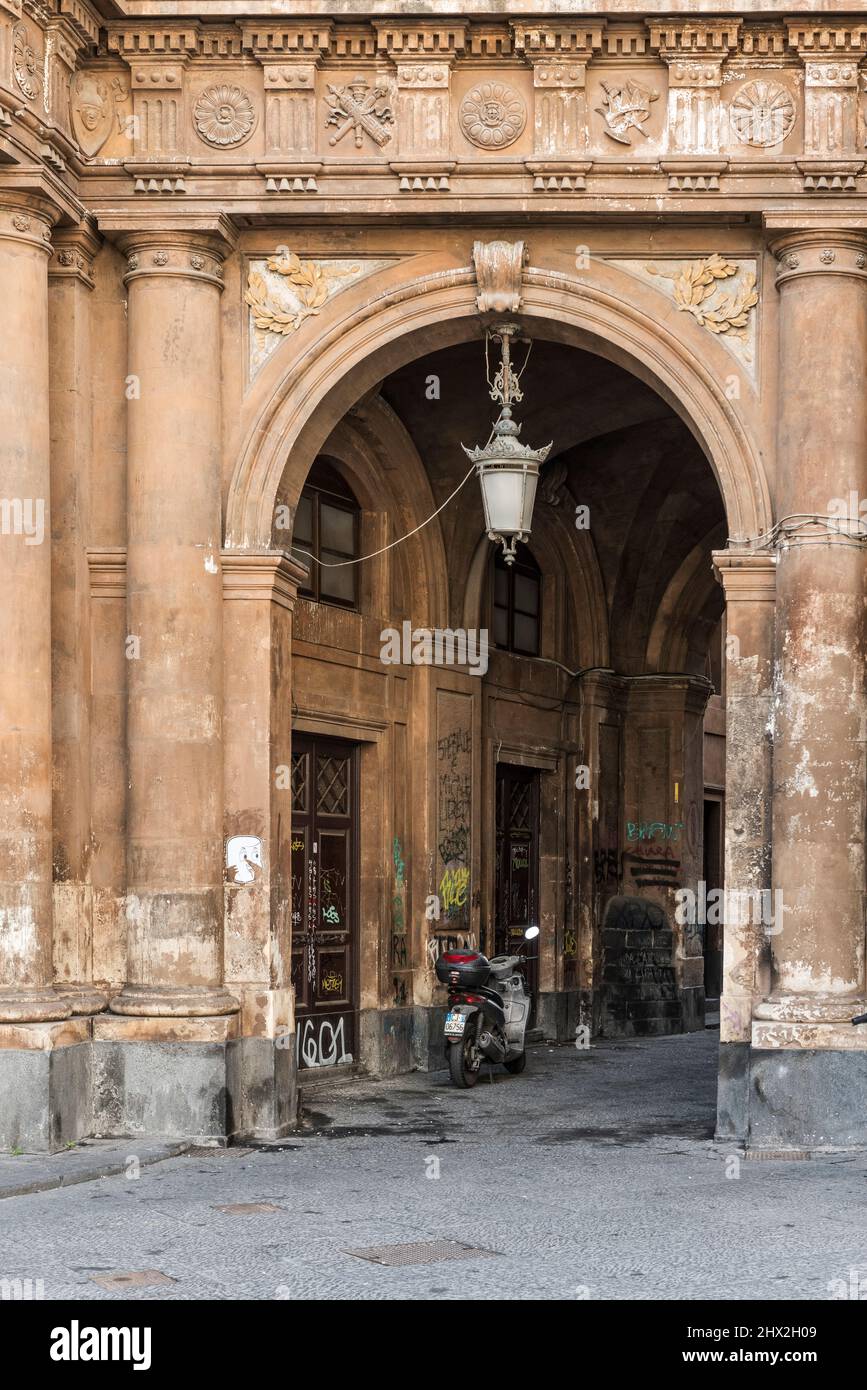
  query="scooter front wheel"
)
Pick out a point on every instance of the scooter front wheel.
point(517, 1064)
point(464, 1062)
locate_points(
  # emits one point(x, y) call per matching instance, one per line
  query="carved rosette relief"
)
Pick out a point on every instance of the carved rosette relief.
point(224, 115)
point(94, 109)
point(626, 107)
point(720, 294)
point(762, 113)
point(25, 63)
point(284, 290)
point(363, 108)
point(492, 115)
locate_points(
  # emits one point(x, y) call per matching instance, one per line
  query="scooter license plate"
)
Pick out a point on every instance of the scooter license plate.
point(455, 1024)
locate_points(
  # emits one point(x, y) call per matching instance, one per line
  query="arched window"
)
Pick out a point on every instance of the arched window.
point(327, 526)
point(517, 605)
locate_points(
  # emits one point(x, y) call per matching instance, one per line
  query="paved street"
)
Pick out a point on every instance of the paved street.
point(593, 1175)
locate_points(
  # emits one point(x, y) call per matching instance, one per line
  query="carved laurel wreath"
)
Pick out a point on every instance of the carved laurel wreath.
point(695, 284)
point(309, 286)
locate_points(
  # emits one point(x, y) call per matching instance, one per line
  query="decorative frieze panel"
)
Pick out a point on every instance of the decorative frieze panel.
point(423, 109)
point(567, 106)
point(719, 292)
point(286, 289)
point(96, 109)
point(158, 109)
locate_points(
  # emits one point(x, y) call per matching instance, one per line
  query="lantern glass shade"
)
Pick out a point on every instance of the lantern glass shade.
point(509, 494)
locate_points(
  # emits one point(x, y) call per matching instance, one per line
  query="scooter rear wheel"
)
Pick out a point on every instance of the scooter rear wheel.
point(460, 1055)
point(517, 1064)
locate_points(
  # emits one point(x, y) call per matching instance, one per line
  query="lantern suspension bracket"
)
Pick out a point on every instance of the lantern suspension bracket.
point(505, 388)
point(508, 470)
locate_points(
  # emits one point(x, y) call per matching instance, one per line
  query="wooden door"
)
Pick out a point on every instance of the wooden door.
point(324, 900)
point(517, 875)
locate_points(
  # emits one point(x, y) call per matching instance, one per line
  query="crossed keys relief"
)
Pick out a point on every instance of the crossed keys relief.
point(363, 108)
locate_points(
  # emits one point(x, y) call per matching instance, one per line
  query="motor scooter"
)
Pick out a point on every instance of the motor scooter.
point(487, 1012)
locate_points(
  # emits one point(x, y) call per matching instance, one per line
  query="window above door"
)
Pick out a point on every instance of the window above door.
point(517, 604)
point(327, 527)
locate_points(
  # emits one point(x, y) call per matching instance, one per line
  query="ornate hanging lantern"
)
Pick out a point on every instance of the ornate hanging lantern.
point(508, 470)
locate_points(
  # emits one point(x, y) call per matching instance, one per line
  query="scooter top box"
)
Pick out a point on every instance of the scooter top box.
point(463, 969)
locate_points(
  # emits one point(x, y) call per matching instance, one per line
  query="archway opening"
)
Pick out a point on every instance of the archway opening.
point(544, 761)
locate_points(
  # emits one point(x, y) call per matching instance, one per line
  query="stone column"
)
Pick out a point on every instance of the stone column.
point(71, 415)
point(819, 706)
point(26, 970)
point(259, 592)
point(174, 619)
point(749, 581)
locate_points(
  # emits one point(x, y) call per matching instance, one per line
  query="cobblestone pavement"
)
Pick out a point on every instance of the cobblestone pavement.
point(592, 1175)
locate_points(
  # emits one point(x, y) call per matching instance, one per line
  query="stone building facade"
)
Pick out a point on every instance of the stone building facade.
point(248, 260)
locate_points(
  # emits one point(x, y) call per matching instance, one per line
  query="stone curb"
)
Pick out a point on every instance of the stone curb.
point(23, 1174)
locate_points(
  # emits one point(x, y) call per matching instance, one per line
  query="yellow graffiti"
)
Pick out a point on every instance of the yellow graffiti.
point(570, 944)
point(454, 886)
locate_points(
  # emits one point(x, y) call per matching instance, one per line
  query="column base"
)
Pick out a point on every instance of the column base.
point(45, 1085)
point(811, 1095)
point(191, 1078)
point(82, 998)
point(809, 1008)
point(33, 1006)
point(156, 1001)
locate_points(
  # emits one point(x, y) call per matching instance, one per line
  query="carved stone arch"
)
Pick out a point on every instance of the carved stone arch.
point(573, 559)
point(692, 601)
point(317, 375)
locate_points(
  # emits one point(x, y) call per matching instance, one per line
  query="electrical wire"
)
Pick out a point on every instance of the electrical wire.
point(339, 564)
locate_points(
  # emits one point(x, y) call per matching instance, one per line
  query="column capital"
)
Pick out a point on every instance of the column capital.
point(820, 251)
point(26, 218)
point(73, 252)
point(269, 575)
point(179, 250)
point(746, 577)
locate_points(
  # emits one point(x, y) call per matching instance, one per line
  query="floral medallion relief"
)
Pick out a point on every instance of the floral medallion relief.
point(284, 290)
point(26, 62)
point(762, 113)
point(224, 115)
point(719, 292)
point(492, 115)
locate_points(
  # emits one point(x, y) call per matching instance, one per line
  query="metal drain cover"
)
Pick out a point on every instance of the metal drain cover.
point(425, 1252)
point(135, 1278)
point(781, 1155)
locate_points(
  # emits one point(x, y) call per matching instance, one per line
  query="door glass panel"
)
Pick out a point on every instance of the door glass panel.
point(332, 881)
point(299, 783)
point(332, 786)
